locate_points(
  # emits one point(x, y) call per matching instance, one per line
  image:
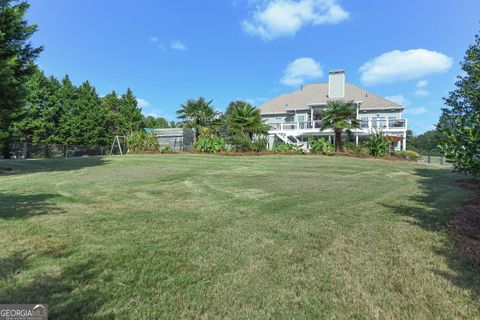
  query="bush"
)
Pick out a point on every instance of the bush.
point(320, 146)
point(260, 144)
point(210, 144)
point(140, 141)
point(166, 149)
point(378, 145)
point(286, 148)
point(408, 154)
point(242, 142)
point(357, 150)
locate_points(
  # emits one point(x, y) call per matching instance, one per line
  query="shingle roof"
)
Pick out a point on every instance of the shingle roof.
point(317, 93)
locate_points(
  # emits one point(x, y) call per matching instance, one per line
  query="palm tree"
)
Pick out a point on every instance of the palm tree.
point(340, 116)
point(244, 118)
point(197, 113)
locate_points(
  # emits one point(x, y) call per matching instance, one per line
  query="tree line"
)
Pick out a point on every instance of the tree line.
point(37, 108)
point(57, 111)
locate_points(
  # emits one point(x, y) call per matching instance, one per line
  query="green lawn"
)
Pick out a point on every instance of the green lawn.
point(197, 236)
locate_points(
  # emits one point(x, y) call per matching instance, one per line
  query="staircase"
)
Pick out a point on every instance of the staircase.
point(289, 139)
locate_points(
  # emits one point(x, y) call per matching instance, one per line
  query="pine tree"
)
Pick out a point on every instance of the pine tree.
point(130, 116)
point(17, 57)
point(70, 119)
point(111, 104)
point(39, 119)
point(92, 129)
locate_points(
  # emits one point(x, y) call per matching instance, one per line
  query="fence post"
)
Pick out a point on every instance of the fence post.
point(25, 150)
point(66, 150)
point(441, 160)
point(429, 156)
point(46, 151)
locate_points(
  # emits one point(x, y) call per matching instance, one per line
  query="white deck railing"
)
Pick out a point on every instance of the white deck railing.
point(370, 125)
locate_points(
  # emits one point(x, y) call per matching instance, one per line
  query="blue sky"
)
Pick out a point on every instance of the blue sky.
point(171, 50)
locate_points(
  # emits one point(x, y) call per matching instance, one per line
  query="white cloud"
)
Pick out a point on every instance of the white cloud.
point(153, 39)
point(416, 111)
point(142, 103)
point(279, 18)
point(178, 45)
point(404, 65)
point(301, 70)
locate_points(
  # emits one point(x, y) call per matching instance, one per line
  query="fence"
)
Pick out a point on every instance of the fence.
point(25, 150)
point(436, 160)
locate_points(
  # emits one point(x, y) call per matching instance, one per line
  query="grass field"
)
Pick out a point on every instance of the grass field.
point(197, 236)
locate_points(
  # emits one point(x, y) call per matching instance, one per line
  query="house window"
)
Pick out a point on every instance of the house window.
point(392, 121)
point(364, 122)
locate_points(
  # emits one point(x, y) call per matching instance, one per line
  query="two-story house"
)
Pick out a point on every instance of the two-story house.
point(296, 116)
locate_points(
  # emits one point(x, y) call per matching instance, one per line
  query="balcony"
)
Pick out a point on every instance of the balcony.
point(365, 126)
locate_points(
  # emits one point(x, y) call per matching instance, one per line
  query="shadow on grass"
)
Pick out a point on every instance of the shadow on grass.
point(68, 293)
point(12, 167)
point(431, 210)
point(14, 206)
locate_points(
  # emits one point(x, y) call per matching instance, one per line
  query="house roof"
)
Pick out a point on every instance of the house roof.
point(317, 93)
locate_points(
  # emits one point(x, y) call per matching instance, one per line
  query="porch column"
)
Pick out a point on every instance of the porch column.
point(311, 114)
point(356, 140)
point(404, 144)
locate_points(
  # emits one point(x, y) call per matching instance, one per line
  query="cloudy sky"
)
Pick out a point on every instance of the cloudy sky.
point(171, 50)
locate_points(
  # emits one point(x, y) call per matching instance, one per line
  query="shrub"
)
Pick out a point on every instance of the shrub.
point(286, 148)
point(408, 154)
point(320, 146)
point(210, 144)
point(378, 145)
point(357, 150)
point(242, 142)
point(166, 149)
point(140, 141)
point(260, 144)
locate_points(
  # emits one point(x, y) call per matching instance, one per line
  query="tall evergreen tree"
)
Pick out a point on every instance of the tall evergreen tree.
point(39, 119)
point(17, 57)
point(111, 104)
point(70, 120)
point(92, 117)
point(130, 115)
